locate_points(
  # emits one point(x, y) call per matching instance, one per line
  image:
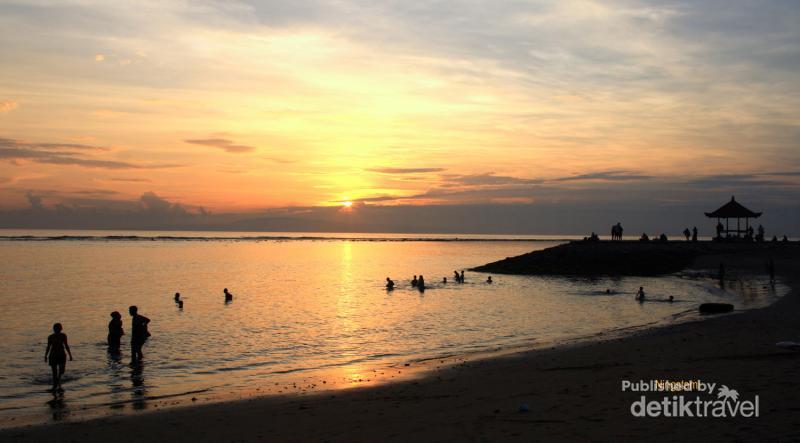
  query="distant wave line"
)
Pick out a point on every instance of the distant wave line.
point(268, 238)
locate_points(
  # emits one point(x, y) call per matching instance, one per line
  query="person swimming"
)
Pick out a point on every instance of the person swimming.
point(389, 284)
point(180, 304)
point(228, 295)
point(489, 280)
point(177, 297)
point(414, 282)
point(54, 355)
point(444, 281)
point(115, 332)
point(640, 293)
point(671, 299)
point(421, 283)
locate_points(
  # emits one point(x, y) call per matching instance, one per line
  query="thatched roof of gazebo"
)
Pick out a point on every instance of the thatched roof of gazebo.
point(733, 209)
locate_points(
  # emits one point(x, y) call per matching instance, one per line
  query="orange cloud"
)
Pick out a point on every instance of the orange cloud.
point(8, 106)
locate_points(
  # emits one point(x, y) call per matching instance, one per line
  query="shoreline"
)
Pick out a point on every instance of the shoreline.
point(563, 386)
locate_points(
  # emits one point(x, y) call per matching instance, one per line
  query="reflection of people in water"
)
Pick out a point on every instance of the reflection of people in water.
point(55, 354)
point(414, 282)
point(115, 332)
point(640, 294)
point(228, 295)
point(389, 284)
point(139, 333)
point(421, 283)
point(489, 280)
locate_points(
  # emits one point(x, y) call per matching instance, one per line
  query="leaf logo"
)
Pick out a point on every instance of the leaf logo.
point(727, 394)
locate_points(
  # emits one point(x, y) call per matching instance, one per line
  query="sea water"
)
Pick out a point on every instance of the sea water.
point(303, 304)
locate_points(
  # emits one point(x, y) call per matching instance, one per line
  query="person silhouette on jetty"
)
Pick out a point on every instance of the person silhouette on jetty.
point(421, 283)
point(640, 294)
point(228, 295)
point(139, 333)
point(644, 237)
point(687, 234)
point(414, 282)
point(115, 332)
point(55, 355)
point(177, 297)
point(694, 234)
point(489, 280)
point(389, 284)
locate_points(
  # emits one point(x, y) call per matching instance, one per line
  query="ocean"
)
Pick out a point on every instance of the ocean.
point(308, 309)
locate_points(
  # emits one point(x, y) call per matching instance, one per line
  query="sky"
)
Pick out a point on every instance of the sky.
point(452, 116)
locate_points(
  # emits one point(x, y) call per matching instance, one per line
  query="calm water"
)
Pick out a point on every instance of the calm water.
point(301, 307)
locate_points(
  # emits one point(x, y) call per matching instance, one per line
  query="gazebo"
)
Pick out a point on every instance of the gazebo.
point(730, 210)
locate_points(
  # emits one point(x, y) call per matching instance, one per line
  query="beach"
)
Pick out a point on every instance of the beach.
point(568, 393)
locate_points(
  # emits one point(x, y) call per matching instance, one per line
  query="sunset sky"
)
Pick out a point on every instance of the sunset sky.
point(245, 107)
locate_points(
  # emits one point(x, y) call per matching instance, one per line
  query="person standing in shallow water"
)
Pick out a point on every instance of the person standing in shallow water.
point(115, 332)
point(228, 295)
point(55, 354)
point(139, 333)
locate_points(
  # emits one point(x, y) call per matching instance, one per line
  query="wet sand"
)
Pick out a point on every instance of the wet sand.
point(573, 393)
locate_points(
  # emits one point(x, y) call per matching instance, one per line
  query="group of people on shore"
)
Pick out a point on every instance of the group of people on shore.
point(418, 282)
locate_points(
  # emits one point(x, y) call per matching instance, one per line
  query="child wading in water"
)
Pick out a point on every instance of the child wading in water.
point(115, 332)
point(55, 355)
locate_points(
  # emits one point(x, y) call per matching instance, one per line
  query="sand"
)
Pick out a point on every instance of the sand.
point(573, 393)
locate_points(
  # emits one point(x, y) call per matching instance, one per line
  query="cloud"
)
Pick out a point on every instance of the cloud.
point(222, 143)
point(404, 170)
point(487, 179)
point(34, 200)
point(60, 154)
point(618, 175)
point(8, 106)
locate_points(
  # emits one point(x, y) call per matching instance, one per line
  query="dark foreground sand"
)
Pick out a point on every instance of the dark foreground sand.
point(574, 393)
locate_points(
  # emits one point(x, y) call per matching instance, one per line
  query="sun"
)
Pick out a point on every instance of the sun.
point(347, 204)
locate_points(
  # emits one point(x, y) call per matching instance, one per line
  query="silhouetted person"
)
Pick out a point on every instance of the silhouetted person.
point(414, 282)
point(389, 284)
point(177, 297)
point(671, 299)
point(694, 234)
point(462, 276)
point(56, 356)
point(458, 278)
point(608, 291)
point(444, 281)
point(115, 332)
point(640, 293)
point(421, 283)
point(180, 304)
point(774, 239)
point(644, 237)
point(687, 233)
point(662, 238)
point(771, 270)
point(139, 333)
point(228, 295)
point(785, 239)
point(760, 235)
point(489, 280)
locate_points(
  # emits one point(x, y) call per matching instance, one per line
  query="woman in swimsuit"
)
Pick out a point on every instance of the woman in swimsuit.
point(55, 355)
